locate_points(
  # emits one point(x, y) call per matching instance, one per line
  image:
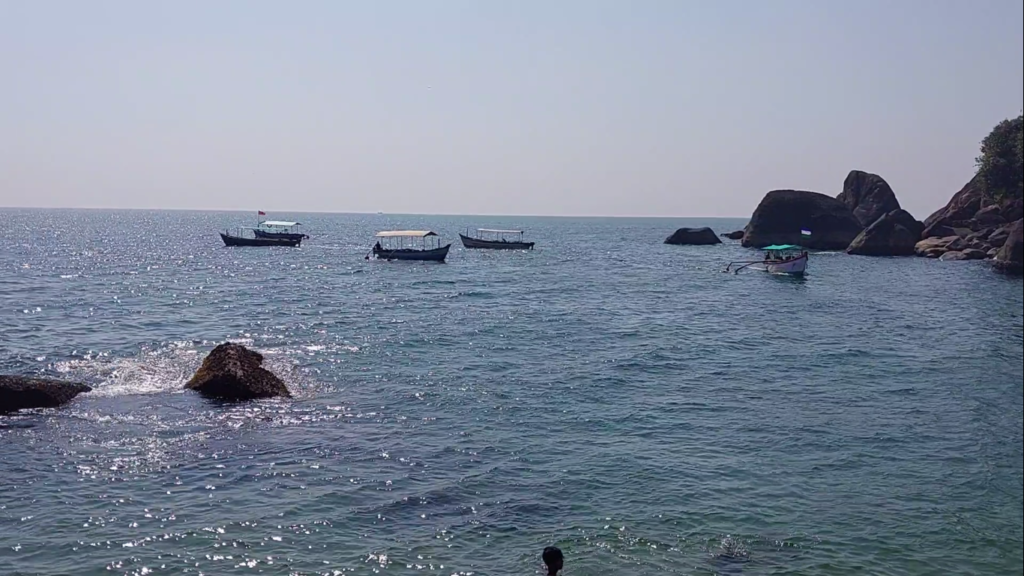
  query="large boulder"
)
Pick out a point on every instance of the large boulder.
point(938, 230)
point(962, 207)
point(998, 236)
point(697, 236)
point(735, 235)
point(1010, 257)
point(922, 247)
point(894, 234)
point(20, 392)
point(233, 372)
point(868, 196)
point(782, 215)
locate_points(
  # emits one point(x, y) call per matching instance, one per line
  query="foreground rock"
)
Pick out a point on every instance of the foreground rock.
point(20, 392)
point(693, 236)
point(972, 209)
point(894, 234)
point(737, 235)
point(233, 372)
point(1010, 257)
point(868, 196)
point(782, 214)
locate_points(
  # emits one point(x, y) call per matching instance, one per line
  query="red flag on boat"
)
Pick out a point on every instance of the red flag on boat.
point(261, 213)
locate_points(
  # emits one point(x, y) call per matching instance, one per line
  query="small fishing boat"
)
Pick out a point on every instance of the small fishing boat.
point(786, 259)
point(238, 237)
point(402, 245)
point(279, 230)
point(496, 240)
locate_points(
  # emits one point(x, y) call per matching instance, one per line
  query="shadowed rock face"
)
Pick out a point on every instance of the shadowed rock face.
point(20, 392)
point(696, 236)
point(868, 196)
point(736, 235)
point(233, 372)
point(895, 234)
point(1010, 257)
point(782, 214)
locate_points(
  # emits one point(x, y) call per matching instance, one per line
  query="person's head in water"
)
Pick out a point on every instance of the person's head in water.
point(553, 559)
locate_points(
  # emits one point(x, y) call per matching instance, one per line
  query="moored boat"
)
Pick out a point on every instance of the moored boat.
point(279, 230)
point(496, 240)
point(787, 259)
point(238, 238)
point(401, 245)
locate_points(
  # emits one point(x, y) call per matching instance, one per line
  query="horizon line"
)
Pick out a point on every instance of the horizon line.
point(494, 215)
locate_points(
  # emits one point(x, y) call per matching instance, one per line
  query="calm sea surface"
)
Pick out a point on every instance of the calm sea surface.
point(622, 399)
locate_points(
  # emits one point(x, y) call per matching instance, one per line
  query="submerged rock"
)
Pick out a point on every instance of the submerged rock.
point(894, 234)
point(233, 372)
point(20, 392)
point(694, 236)
point(868, 196)
point(782, 215)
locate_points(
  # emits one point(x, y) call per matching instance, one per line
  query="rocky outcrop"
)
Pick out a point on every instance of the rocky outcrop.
point(973, 209)
point(736, 235)
point(693, 236)
point(934, 247)
point(894, 234)
point(233, 372)
point(1010, 257)
point(782, 214)
point(20, 392)
point(868, 196)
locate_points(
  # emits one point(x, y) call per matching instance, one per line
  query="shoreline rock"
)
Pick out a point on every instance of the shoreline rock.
point(894, 234)
point(21, 392)
point(693, 237)
point(233, 372)
point(868, 196)
point(1010, 258)
point(735, 235)
point(783, 214)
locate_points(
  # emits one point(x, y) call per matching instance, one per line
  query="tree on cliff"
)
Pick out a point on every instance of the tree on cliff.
point(1001, 164)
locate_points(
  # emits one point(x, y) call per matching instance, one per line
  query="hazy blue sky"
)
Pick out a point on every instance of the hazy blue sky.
point(584, 107)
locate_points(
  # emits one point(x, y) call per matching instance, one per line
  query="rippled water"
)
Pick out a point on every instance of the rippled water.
point(619, 398)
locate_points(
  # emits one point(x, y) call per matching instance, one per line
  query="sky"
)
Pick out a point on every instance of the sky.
point(532, 107)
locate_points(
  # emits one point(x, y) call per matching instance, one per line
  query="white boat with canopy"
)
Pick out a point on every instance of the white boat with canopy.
point(422, 245)
point(788, 259)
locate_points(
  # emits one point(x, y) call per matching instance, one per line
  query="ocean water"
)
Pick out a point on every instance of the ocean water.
point(619, 398)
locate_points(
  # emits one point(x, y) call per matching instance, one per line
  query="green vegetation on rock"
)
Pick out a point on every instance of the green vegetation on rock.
point(1001, 164)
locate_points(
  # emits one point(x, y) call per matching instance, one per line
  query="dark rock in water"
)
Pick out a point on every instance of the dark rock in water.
point(737, 235)
point(868, 196)
point(20, 392)
point(974, 254)
point(895, 234)
point(1010, 257)
point(932, 253)
point(992, 253)
point(695, 236)
point(233, 372)
point(952, 256)
point(782, 214)
point(938, 230)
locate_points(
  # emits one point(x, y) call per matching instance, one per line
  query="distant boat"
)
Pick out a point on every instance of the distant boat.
point(238, 238)
point(787, 259)
point(401, 245)
point(496, 240)
point(279, 230)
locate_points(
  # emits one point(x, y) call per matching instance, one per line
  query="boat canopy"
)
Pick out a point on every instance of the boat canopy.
point(493, 231)
point(278, 224)
point(779, 247)
point(405, 233)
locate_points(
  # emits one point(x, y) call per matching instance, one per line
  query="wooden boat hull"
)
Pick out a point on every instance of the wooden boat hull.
point(794, 267)
point(435, 255)
point(470, 242)
point(280, 235)
point(231, 240)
